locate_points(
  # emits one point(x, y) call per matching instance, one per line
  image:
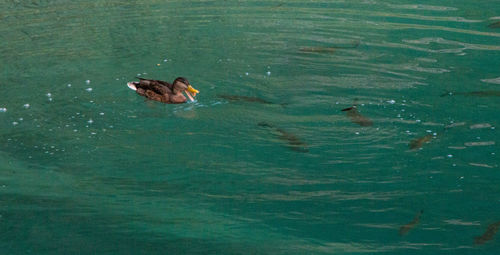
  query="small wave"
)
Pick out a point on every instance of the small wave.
point(481, 165)
point(480, 125)
point(422, 7)
point(404, 26)
point(442, 41)
point(461, 223)
point(472, 144)
point(383, 226)
point(494, 80)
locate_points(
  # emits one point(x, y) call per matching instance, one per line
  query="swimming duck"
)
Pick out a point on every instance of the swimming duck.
point(163, 91)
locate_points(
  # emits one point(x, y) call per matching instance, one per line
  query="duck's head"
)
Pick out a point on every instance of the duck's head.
point(181, 84)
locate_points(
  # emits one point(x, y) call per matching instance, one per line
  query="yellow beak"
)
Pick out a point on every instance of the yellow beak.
point(192, 90)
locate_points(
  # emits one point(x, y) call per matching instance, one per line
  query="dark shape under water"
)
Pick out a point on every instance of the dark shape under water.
point(356, 117)
point(330, 49)
point(245, 99)
point(488, 234)
point(494, 25)
point(485, 93)
point(294, 143)
point(279, 5)
point(403, 230)
point(419, 142)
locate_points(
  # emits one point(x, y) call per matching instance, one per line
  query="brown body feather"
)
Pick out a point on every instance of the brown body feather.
point(160, 91)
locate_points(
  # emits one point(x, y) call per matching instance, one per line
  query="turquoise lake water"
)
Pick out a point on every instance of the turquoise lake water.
point(265, 161)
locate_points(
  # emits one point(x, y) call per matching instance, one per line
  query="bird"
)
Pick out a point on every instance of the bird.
point(163, 91)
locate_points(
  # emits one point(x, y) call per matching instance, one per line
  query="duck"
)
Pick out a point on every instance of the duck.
point(163, 91)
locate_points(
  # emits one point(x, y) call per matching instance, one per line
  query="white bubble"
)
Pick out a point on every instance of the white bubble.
point(165, 60)
point(246, 74)
point(268, 73)
point(69, 85)
point(418, 121)
point(15, 123)
point(49, 95)
point(3, 109)
point(88, 89)
point(101, 113)
point(26, 106)
point(90, 121)
point(391, 101)
point(87, 81)
point(449, 156)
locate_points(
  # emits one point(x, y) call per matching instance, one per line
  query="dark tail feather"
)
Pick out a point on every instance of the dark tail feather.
point(347, 109)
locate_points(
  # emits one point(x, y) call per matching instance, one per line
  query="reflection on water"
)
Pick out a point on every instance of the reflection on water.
point(86, 164)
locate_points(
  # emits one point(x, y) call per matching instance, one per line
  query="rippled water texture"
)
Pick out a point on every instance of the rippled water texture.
point(265, 161)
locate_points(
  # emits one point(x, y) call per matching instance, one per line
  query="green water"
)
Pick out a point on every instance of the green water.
point(89, 167)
